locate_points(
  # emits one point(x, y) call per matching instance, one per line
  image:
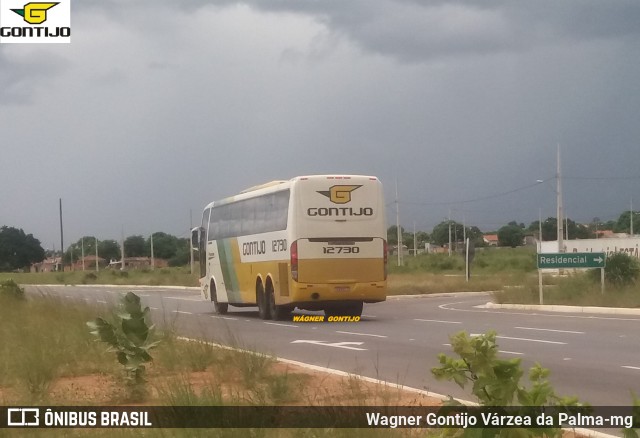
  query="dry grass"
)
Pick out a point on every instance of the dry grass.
point(427, 283)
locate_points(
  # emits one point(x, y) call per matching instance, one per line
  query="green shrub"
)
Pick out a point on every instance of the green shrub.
point(89, 277)
point(496, 382)
point(11, 289)
point(130, 337)
point(620, 270)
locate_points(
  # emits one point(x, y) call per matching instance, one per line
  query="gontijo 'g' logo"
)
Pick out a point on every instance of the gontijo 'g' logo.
point(35, 13)
point(340, 194)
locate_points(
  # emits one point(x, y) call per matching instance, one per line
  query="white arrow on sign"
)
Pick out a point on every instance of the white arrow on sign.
point(599, 260)
point(331, 344)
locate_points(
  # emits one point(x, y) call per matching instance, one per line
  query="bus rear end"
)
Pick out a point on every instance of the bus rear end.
point(339, 250)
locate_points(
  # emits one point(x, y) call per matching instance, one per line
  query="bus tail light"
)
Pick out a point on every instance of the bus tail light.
point(386, 258)
point(294, 260)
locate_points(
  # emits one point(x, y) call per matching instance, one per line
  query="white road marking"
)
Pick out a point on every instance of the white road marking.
point(550, 315)
point(154, 308)
point(224, 317)
point(347, 345)
point(101, 301)
point(630, 367)
point(437, 320)
point(181, 311)
point(281, 324)
point(369, 316)
point(510, 352)
point(550, 330)
point(183, 299)
point(361, 334)
point(524, 339)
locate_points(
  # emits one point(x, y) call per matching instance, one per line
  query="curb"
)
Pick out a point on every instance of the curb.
point(439, 295)
point(563, 309)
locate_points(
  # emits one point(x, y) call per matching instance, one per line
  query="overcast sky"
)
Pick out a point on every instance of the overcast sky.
point(159, 107)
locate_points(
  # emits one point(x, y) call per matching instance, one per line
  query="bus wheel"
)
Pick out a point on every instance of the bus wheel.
point(353, 309)
point(219, 308)
point(277, 312)
point(263, 304)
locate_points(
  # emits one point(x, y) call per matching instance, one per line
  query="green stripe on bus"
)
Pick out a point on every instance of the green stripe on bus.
point(228, 272)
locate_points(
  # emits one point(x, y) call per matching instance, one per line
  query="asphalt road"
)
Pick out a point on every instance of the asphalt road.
point(594, 357)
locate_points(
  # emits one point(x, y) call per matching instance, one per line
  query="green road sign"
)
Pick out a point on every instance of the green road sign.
point(572, 260)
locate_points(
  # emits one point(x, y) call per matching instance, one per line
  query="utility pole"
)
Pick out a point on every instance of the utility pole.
point(61, 240)
point(559, 201)
point(449, 232)
point(631, 217)
point(415, 249)
point(153, 263)
point(82, 251)
point(398, 230)
point(97, 262)
point(122, 249)
point(190, 246)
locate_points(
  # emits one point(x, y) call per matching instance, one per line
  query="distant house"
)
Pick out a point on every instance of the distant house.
point(138, 263)
point(51, 264)
point(490, 239)
point(89, 263)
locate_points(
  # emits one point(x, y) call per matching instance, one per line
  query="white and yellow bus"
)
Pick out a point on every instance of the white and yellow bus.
point(313, 242)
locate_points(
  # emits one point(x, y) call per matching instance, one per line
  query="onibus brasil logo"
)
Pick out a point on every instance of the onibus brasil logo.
point(36, 13)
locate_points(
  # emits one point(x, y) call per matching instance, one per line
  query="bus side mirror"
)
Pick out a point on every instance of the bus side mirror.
point(195, 237)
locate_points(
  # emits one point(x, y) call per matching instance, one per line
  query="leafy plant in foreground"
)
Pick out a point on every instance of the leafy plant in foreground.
point(131, 338)
point(496, 382)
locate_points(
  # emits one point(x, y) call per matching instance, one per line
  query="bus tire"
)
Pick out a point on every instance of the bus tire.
point(354, 309)
point(263, 304)
point(278, 313)
point(219, 308)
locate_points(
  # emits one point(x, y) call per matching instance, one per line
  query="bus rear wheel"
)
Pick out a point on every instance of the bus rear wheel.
point(354, 309)
point(263, 303)
point(278, 313)
point(347, 309)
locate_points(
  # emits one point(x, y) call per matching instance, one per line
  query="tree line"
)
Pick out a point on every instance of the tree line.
point(18, 250)
point(513, 233)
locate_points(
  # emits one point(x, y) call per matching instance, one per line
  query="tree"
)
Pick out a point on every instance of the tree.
point(550, 229)
point(510, 235)
point(623, 224)
point(136, 246)
point(18, 250)
point(182, 256)
point(75, 249)
point(440, 234)
point(109, 249)
point(165, 246)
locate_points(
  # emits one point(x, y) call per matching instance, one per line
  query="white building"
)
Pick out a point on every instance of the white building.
point(627, 245)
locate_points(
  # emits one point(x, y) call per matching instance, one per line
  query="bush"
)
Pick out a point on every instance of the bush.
point(620, 270)
point(131, 337)
point(89, 277)
point(11, 289)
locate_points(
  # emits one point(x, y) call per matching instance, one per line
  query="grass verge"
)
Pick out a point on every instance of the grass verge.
point(48, 357)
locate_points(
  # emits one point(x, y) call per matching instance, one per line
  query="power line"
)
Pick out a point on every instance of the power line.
point(483, 198)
